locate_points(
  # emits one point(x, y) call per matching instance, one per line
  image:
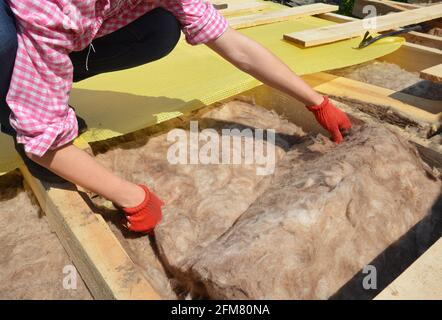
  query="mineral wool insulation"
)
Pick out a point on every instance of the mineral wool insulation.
point(302, 232)
point(33, 263)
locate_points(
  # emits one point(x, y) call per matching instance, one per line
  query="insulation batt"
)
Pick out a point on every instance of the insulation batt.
point(32, 260)
point(303, 232)
point(328, 213)
point(203, 201)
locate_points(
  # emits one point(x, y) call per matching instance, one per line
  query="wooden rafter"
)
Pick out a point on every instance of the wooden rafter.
point(423, 56)
point(414, 57)
point(385, 7)
point(414, 108)
point(280, 15)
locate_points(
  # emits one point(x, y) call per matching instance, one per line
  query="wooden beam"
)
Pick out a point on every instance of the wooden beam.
point(414, 108)
point(420, 38)
point(236, 8)
point(433, 74)
point(421, 281)
point(103, 264)
point(336, 17)
point(414, 57)
point(401, 5)
point(328, 34)
point(423, 56)
point(423, 39)
point(382, 7)
point(385, 7)
point(280, 15)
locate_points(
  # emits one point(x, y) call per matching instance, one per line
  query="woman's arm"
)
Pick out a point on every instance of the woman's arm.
point(254, 59)
point(78, 167)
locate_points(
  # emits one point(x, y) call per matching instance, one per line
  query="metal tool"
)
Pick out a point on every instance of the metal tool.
point(368, 39)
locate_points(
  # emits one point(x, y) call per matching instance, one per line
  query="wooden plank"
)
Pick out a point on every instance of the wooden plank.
point(328, 34)
point(236, 8)
point(423, 39)
point(421, 281)
point(382, 7)
point(411, 107)
point(414, 57)
point(280, 15)
point(385, 7)
point(103, 264)
point(403, 5)
point(433, 74)
point(423, 56)
point(420, 38)
point(336, 17)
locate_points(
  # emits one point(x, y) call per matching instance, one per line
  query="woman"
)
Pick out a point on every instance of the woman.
point(55, 42)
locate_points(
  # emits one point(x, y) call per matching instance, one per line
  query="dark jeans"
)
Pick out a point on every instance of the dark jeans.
point(8, 50)
point(147, 39)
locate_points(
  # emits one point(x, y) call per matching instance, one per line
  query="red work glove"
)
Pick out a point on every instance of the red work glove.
point(331, 118)
point(144, 217)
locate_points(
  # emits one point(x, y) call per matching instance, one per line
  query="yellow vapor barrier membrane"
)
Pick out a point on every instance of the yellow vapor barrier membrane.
point(190, 77)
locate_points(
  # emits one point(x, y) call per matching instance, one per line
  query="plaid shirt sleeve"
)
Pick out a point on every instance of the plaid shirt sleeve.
point(41, 81)
point(200, 21)
point(42, 78)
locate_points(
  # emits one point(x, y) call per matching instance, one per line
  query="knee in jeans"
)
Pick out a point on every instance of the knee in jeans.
point(167, 32)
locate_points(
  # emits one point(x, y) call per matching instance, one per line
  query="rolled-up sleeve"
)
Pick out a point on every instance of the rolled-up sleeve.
point(200, 21)
point(39, 91)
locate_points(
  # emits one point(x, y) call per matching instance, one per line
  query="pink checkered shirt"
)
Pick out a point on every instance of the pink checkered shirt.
point(50, 29)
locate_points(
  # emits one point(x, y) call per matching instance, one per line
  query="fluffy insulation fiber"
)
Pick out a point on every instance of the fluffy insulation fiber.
point(33, 264)
point(329, 212)
point(303, 232)
point(203, 201)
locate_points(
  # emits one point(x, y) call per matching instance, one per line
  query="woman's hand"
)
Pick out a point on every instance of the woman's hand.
point(331, 118)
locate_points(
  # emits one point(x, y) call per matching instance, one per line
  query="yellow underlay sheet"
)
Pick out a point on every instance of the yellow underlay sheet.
point(190, 77)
